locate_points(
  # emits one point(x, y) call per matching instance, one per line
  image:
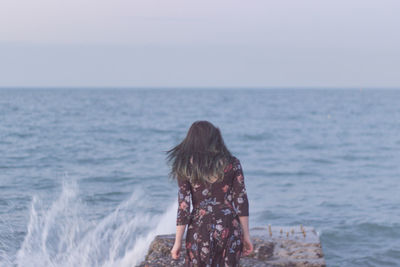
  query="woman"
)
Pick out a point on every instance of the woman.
point(212, 179)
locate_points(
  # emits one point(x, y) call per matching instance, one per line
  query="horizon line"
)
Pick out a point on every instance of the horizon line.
point(202, 87)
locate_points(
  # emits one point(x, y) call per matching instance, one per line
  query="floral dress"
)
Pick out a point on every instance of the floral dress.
point(214, 234)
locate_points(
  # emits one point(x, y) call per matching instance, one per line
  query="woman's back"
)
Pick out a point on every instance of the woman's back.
point(214, 231)
point(212, 180)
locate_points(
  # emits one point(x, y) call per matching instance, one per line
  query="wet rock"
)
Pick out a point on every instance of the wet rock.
point(282, 246)
point(265, 251)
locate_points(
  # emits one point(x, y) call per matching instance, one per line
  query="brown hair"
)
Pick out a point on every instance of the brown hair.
point(200, 156)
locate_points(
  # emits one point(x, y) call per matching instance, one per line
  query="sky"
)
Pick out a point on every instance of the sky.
point(219, 43)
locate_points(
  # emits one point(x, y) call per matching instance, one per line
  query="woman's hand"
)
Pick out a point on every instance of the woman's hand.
point(175, 251)
point(247, 245)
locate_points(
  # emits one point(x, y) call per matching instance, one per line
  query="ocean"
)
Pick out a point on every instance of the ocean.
point(84, 181)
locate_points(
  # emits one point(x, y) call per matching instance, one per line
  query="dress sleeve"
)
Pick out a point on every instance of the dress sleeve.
point(239, 194)
point(184, 195)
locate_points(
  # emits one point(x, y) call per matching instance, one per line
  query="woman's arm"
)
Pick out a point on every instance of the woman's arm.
point(240, 200)
point(175, 251)
point(241, 205)
point(183, 215)
point(244, 221)
point(247, 244)
point(184, 198)
point(180, 229)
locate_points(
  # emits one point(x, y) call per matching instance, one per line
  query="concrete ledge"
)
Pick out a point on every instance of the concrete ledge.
point(292, 246)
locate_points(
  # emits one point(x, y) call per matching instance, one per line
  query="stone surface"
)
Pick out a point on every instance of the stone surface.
point(273, 246)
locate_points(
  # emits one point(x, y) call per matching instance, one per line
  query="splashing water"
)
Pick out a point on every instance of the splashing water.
point(61, 236)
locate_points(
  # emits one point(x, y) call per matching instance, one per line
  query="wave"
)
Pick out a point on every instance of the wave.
point(61, 235)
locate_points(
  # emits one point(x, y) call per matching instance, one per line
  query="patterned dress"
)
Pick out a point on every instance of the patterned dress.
point(214, 234)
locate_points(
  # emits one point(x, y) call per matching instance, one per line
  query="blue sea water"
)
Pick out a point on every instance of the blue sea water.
point(83, 178)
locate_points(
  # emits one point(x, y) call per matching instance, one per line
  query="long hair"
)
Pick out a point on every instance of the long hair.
point(201, 157)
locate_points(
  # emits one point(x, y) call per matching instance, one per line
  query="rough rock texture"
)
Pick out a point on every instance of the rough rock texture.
point(273, 246)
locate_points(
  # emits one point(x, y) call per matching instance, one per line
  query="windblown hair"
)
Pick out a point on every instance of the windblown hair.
point(201, 157)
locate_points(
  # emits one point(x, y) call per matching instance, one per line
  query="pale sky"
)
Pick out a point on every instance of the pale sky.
point(219, 43)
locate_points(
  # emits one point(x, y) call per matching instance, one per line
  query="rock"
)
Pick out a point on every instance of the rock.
point(274, 246)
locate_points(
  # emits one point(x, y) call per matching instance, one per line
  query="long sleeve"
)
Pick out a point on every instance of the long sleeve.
point(184, 195)
point(239, 194)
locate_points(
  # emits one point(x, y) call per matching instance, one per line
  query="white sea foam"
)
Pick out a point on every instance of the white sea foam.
point(62, 236)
